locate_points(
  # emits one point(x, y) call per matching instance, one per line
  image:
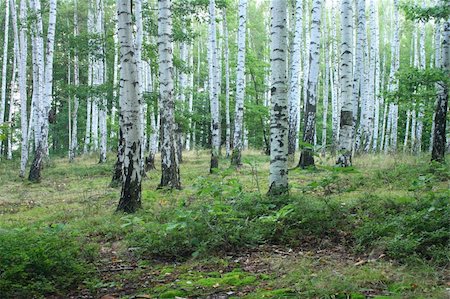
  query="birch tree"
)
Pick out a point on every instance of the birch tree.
point(307, 155)
point(440, 118)
point(100, 105)
point(23, 50)
point(346, 82)
point(170, 176)
point(278, 170)
point(326, 80)
point(227, 85)
point(129, 101)
point(76, 80)
point(4, 68)
point(213, 92)
point(240, 86)
point(45, 85)
point(294, 84)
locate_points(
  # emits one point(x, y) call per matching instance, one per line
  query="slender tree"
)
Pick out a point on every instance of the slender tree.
point(227, 85)
point(294, 84)
point(23, 49)
point(76, 80)
point(278, 170)
point(4, 68)
point(45, 85)
point(129, 101)
point(170, 176)
point(346, 82)
point(439, 140)
point(240, 86)
point(307, 155)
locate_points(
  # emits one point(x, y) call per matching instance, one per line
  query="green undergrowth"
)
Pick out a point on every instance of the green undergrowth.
point(35, 262)
point(390, 212)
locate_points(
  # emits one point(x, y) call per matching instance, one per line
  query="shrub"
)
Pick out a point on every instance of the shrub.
point(35, 263)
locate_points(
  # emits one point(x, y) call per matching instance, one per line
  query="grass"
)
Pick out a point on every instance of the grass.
point(377, 229)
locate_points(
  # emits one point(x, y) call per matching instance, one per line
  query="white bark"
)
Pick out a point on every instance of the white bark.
point(309, 130)
point(213, 92)
point(278, 171)
point(346, 83)
point(335, 86)
point(326, 81)
point(76, 80)
point(240, 85)
point(375, 59)
point(23, 49)
point(227, 86)
point(395, 62)
point(14, 97)
point(294, 84)
point(358, 76)
point(169, 162)
point(130, 110)
point(100, 106)
point(113, 132)
point(4, 67)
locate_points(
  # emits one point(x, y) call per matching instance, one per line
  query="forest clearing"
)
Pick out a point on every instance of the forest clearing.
point(376, 230)
point(224, 149)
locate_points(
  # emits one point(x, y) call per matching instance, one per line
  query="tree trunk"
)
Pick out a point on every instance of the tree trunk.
point(294, 84)
point(227, 86)
point(213, 92)
point(240, 86)
point(4, 69)
point(346, 83)
point(278, 170)
point(76, 78)
point(45, 85)
point(439, 140)
point(130, 110)
point(307, 155)
point(23, 48)
point(169, 162)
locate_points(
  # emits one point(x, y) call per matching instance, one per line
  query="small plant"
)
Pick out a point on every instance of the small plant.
point(36, 263)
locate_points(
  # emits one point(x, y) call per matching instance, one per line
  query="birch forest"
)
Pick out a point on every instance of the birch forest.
point(224, 149)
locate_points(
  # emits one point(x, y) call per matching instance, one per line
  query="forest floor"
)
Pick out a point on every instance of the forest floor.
point(377, 230)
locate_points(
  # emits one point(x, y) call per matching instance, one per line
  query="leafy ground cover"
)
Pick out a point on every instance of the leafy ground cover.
point(377, 230)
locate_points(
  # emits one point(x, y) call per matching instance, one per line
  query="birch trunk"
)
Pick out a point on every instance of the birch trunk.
point(169, 162)
point(278, 169)
point(89, 105)
point(326, 81)
point(113, 132)
point(395, 61)
point(439, 140)
point(240, 86)
point(335, 96)
point(14, 93)
point(375, 59)
point(294, 84)
point(44, 76)
point(4, 68)
point(213, 92)
point(307, 155)
point(99, 79)
point(358, 76)
point(23, 49)
point(76, 81)
point(227, 86)
point(130, 198)
point(346, 83)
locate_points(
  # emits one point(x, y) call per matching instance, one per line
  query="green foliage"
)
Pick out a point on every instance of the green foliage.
point(417, 12)
point(36, 263)
point(407, 230)
point(419, 84)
